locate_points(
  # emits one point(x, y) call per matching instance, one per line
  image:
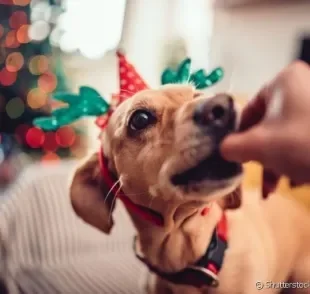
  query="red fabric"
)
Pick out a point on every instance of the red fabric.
point(137, 209)
point(6, 2)
point(212, 268)
point(143, 212)
point(222, 228)
point(130, 81)
point(205, 211)
point(102, 121)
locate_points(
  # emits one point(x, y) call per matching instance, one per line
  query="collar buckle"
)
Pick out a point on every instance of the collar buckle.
point(203, 273)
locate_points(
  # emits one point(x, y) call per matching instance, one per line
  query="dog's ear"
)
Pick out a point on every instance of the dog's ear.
point(89, 196)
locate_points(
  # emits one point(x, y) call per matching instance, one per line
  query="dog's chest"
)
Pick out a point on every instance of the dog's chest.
point(246, 259)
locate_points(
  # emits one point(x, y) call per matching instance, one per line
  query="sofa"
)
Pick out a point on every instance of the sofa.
point(46, 248)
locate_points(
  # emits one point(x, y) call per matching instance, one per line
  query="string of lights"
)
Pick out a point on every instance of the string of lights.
point(28, 71)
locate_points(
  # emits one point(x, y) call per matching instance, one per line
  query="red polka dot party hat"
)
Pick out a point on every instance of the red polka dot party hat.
point(130, 82)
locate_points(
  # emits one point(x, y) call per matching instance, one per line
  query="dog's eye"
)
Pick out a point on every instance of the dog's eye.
point(141, 119)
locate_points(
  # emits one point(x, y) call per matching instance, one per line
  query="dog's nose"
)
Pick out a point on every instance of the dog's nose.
point(217, 111)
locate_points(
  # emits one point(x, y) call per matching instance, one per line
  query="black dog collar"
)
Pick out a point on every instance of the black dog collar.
point(203, 273)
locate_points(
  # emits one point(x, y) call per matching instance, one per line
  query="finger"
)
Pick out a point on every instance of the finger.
point(270, 181)
point(246, 146)
point(253, 113)
point(256, 109)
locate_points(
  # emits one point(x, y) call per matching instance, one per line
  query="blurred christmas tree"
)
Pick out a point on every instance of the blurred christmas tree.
point(29, 75)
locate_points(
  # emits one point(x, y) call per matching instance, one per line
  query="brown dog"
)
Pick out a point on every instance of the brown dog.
point(162, 148)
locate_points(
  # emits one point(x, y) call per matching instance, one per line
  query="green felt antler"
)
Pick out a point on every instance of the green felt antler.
point(87, 103)
point(202, 80)
point(181, 75)
point(199, 78)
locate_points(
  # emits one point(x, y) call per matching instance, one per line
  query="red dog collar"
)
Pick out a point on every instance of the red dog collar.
point(144, 212)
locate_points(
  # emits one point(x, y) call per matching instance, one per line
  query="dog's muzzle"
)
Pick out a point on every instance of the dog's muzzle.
point(216, 118)
point(216, 115)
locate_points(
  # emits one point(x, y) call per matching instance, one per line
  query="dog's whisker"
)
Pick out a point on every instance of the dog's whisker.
point(182, 127)
point(129, 92)
point(156, 145)
point(231, 80)
point(135, 194)
point(150, 204)
point(160, 144)
point(110, 191)
point(192, 83)
point(114, 199)
point(112, 206)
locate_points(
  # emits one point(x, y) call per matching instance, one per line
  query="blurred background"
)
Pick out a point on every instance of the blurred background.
point(47, 46)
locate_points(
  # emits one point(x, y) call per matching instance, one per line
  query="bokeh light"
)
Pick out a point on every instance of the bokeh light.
point(49, 157)
point(2, 55)
point(7, 78)
point(22, 34)
point(37, 98)
point(20, 133)
point(39, 30)
point(14, 62)
point(35, 137)
point(50, 143)
point(15, 107)
point(2, 103)
point(21, 2)
point(66, 44)
point(11, 40)
point(2, 156)
point(38, 64)
point(78, 148)
point(47, 82)
point(55, 14)
point(85, 37)
point(65, 136)
point(17, 19)
point(55, 37)
point(1, 31)
point(41, 11)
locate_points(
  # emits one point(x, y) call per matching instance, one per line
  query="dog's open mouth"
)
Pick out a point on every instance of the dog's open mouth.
point(212, 168)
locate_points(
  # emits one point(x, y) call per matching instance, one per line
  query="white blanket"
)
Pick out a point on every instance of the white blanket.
point(46, 248)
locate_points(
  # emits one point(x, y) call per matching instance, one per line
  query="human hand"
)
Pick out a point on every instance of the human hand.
point(275, 126)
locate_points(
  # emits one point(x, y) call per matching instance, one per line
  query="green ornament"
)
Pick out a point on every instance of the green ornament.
point(200, 79)
point(87, 103)
point(181, 75)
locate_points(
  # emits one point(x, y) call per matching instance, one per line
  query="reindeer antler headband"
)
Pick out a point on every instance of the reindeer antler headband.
point(90, 103)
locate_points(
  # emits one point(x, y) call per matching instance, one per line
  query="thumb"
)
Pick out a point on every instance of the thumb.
point(246, 146)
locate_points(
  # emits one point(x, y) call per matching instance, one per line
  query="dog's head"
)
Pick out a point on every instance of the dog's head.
point(163, 147)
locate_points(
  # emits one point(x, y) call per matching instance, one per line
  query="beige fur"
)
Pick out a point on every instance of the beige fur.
point(269, 240)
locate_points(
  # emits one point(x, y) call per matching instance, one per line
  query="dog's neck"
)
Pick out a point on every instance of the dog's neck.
point(184, 236)
point(184, 226)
